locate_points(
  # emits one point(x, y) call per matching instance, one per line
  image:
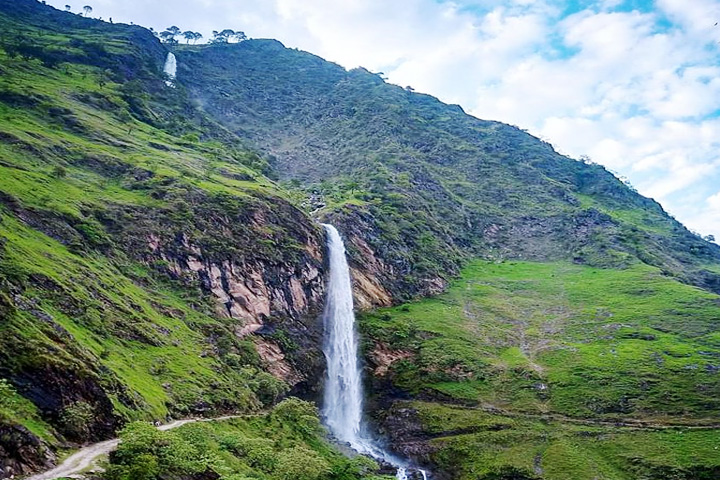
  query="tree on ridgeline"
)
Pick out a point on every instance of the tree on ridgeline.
point(169, 34)
point(197, 36)
point(68, 8)
point(226, 35)
point(87, 9)
point(167, 37)
point(223, 36)
point(188, 35)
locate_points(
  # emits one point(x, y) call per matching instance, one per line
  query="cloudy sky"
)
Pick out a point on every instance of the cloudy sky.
point(633, 84)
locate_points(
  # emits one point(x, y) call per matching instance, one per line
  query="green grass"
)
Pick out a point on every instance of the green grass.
point(557, 337)
point(116, 310)
point(74, 156)
point(542, 358)
point(14, 408)
point(475, 444)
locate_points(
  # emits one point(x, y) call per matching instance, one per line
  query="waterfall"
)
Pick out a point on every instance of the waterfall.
point(170, 69)
point(343, 398)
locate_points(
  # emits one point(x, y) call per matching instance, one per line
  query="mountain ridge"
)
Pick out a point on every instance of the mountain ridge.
point(160, 253)
point(478, 185)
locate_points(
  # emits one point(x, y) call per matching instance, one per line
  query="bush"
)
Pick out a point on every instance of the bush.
point(145, 453)
point(299, 463)
point(76, 419)
point(59, 172)
point(302, 416)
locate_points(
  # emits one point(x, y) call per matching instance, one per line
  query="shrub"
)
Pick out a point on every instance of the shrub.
point(299, 463)
point(76, 419)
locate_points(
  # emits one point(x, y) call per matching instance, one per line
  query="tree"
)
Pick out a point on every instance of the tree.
point(87, 9)
point(59, 172)
point(299, 463)
point(240, 36)
point(68, 8)
point(77, 418)
point(224, 36)
point(709, 238)
point(188, 35)
point(168, 36)
point(197, 36)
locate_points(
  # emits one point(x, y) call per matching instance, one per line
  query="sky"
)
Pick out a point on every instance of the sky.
point(632, 84)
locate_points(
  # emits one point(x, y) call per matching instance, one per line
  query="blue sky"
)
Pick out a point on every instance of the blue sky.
point(634, 84)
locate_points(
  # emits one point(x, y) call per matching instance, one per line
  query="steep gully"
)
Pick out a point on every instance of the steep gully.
point(343, 395)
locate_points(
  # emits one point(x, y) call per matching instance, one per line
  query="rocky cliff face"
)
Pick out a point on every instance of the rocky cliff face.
point(382, 272)
point(22, 452)
point(257, 295)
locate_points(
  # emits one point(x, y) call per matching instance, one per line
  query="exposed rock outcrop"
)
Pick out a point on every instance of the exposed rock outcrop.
point(406, 434)
point(383, 357)
point(22, 452)
point(262, 266)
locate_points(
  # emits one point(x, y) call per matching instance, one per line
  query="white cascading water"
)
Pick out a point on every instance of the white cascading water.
point(170, 69)
point(343, 400)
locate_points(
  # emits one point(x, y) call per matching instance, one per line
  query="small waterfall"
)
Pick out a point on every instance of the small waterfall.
point(343, 398)
point(170, 69)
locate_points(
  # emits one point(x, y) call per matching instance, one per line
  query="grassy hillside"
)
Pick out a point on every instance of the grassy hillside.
point(548, 357)
point(127, 235)
point(475, 444)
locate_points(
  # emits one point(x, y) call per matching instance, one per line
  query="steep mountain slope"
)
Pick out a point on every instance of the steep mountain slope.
point(422, 185)
point(143, 272)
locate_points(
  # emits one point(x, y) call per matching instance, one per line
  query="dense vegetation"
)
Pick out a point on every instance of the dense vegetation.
point(159, 258)
point(285, 444)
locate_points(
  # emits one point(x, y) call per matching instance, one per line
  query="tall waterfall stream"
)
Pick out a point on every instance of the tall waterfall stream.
point(170, 69)
point(343, 398)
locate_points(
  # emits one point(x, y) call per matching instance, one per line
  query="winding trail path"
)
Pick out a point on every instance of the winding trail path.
point(86, 456)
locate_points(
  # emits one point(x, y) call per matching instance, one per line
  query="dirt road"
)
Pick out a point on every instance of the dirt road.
point(86, 456)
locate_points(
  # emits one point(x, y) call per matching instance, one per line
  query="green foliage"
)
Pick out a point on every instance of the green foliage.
point(76, 419)
point(299, 414)
point(146, 452)
point(559, 337)
point(298, 463)
point(59, 172)
point(8, 396)
point(15, 409)
point(96, 154)
point(274, 446)
point(549, 359)
point(472, 443)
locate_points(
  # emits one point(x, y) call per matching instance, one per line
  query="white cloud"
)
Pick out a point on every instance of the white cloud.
point(714, 202)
